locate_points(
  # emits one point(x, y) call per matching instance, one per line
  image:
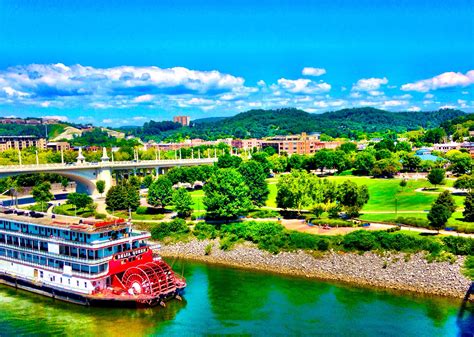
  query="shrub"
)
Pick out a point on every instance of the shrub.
point(299, 240)
point(203, 230)
point(208, 249)
point(100, 216)
point(142, 210)
point(263, 213)
point(459, 245)
point(228, 242)
point(415, 222)
point(164, 229)
point(332, 222)
point(468, 269)
point(360, 240)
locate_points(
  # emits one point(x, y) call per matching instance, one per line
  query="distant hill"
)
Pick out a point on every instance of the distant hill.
point(262, 123)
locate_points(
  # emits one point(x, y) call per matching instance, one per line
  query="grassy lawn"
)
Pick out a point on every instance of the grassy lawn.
point(150, 216)
point(67, 209)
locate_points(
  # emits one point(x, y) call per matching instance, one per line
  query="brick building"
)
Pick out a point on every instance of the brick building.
point(21, 142)
point(183, 120)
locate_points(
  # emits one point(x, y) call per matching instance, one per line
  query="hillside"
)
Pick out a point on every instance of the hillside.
point(261, 123)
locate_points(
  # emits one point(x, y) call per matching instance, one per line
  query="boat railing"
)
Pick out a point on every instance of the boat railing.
point(59, 270)
point(57, 256)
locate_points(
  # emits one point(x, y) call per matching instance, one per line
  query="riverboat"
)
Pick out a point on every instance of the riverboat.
point(88, 262)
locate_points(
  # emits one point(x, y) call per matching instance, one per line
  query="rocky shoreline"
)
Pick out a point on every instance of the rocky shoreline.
point(395, 271)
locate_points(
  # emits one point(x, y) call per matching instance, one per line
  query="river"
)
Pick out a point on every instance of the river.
point(223, 300)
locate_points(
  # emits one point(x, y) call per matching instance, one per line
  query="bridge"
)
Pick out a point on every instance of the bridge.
point(86, 174)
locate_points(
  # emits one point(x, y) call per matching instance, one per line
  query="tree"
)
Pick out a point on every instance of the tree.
point(352, 197)
point(348, 147)
point(364, 162)
point(147, 180)
point(403, 146)
point(80, 200)
point(447, 200)
point(226, 195)
point(323, 159)
point(227, 160)
point(403, 183)
point(465, 182)
point(386, 168)
point(262, 158)
point(255, 178)
point(160, 192)
point(100, 184)
point(183, 203)
point(410, 162)
point(468, 212)
point(42, 193)
point(64, 183)
point(438, 216)
point(123, 197)
point(436, 176)
point(461, 163)
point(297, 190)
point(135, 181)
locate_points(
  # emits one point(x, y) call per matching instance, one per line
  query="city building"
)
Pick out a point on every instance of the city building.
point(246, 144)
point(298, 144)
point(183, 120)
point(447, 147)
point(58, 146)
point(21, 142)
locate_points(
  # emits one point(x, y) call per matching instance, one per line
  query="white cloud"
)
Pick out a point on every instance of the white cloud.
point(375, 93)
point(310, 71)
point(61, 118)
point(429, 96)
point(303, 86)
point(369, 84)
point(445, 80)
point(143, 98)
point(394, 103)
point(414, 108)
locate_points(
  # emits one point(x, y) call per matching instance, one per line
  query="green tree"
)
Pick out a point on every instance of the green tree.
point(461, 163)
point(100, 184)
point(80, 200)
point(445, 198)
point(468, 212)
point(403, 146)
point(352, 197)
point(386, 168)
point(255, 178)
point(226, 195)
point(160, 192)
point(147, 180)
point(348, 147)
point(227, 160)
point(323, 159)
point(438, 216)
point(263, 158)
point(465, 182)
point(297, 190)
point(135, 181)
point(64, 183)
point(364, 162)
point(123, 197)
point(436, 176)
point(42, 193)
point(403, 183)
point(183, 203)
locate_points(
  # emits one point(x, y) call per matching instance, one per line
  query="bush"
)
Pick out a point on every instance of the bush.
point(360, 240)
point(164, 229)
point(415, 222)
point(299, 240)
point(142, 210)
point(263, 213)
point(203, 230)
point(332, 222)
point(101, 216)
point(468, 269)
point(228, 242)
point(208, 249)
point(459, 245)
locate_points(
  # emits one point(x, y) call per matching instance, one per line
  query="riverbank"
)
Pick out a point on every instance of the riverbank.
point(395, 271)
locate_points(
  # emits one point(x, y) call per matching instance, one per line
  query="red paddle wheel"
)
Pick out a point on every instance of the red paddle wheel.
point(153, 279)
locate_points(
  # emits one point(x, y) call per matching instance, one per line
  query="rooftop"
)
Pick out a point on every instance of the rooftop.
point(62, 221)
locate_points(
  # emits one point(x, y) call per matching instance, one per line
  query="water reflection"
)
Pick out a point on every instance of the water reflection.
point(465, 319)
point(232, 301)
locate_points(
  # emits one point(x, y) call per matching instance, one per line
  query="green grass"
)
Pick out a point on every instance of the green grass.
point(67, 209)
point(135, 216)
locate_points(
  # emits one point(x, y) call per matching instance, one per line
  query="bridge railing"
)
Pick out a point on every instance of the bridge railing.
point(135, 163)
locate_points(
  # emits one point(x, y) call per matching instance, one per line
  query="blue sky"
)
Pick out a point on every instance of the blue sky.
point(125, 62)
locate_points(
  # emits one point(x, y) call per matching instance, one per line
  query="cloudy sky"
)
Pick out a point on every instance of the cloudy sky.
point(125, 62)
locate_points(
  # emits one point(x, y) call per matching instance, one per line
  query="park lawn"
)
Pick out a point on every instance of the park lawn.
point(197, 196)
point(135, 216)
point(455, 220)
point(68, 209)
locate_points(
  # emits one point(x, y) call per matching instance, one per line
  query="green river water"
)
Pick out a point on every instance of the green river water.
point(225, 301)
